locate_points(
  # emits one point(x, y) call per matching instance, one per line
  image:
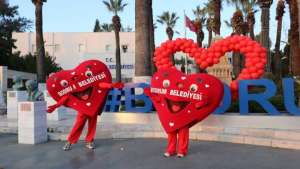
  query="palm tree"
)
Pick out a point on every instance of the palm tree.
point(116, 6)
point(169, 19)
point(107, 27)
point(251, 23)
point(238, 24)
point(247, 7)
point(239, 27)
point(299, 18)
point(217, 15)
point(41, 75)
point(265, 28)
point(97, 27)
point(294, 37)
point(199, 22)
point(142, 39)
point(277, 59)
point(151, 35)
point(209, 10)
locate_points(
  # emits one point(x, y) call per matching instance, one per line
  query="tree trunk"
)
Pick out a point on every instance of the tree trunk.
point(277, 59)
point(217, 17)
point(151, 37)
point(299, 18)
point(251, 31)
point(142, 39)
point(236, 64)
point(265, 19)
point(238, 25)
point(295, 54)
point(200, 37)
point(170, 33)
point(40, 49)
point(209, 37)
point(250, 23)
point(117, 27)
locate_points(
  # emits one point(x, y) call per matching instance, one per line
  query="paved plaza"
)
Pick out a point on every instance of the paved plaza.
point(142, 154)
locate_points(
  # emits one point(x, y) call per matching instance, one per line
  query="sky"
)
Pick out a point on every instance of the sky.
point(68, 16)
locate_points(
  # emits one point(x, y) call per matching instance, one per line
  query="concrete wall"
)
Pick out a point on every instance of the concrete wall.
point(273, 131)
point(71, 48)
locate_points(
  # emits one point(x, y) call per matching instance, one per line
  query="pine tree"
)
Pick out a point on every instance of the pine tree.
point(97, 27)
point(10, 22)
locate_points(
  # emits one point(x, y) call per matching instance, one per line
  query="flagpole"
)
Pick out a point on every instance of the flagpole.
point(186, 65)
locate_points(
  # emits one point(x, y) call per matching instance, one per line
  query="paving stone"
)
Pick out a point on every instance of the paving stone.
point(207, 136)
point(231, 138)
point(286, 144)
point(288, 135)
point(258, 141)
point(267, 133)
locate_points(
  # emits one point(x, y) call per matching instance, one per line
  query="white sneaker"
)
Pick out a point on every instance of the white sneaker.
point(180, 155)
point(67, 146)
point(90, 145)
point(167, 155)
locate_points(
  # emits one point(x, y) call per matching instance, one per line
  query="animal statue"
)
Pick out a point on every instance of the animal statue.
point(17, 83)
point(33, 92)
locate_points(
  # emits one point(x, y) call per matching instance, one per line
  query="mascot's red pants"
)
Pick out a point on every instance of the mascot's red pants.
point(79, 125)
point(183, 141)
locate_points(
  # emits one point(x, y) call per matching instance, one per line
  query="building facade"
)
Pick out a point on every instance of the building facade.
point(224, 69)
point(71, 48)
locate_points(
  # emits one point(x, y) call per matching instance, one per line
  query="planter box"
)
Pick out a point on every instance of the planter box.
point(13, 97)
point(32, 122)
point(59, 113)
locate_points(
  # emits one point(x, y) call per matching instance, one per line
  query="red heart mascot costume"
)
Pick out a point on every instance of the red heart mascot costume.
point(84, 89)
point(183, 100)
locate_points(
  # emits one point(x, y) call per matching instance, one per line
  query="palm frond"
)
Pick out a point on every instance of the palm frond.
point(108, 5)
point(228, 24)
point(115, 6)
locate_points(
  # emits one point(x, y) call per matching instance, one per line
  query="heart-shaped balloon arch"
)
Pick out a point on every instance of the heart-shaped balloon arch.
point(254, 53)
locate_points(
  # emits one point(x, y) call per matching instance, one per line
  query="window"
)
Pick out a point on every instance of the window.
point(33, 48)
point(56, 47)
point(80, 47)
point(107, 48)
point(124, 48)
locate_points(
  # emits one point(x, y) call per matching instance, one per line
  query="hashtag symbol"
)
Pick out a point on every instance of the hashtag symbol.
point(113, 100)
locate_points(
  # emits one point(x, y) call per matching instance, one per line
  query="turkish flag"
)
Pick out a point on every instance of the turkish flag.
point(189, 23)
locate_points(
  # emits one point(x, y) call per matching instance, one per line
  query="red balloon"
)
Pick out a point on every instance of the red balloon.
point(209, 60)
point(204, 65)
point(254, 75)
point(216, 60)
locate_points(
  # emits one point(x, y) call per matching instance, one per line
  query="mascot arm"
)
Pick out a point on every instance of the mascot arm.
point(61, 102)
point(104, 85)
point(152, 96)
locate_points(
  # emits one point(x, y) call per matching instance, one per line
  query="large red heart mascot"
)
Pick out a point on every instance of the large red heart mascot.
point(183, 100)
point(84, 89)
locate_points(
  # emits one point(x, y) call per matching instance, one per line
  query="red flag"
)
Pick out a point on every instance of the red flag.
point(190, 24)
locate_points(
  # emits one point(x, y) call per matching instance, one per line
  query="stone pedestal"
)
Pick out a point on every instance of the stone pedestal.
point(13, 97)
point(59, 113)
point(32, 122)
point(3, 106)
point(42, 86)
